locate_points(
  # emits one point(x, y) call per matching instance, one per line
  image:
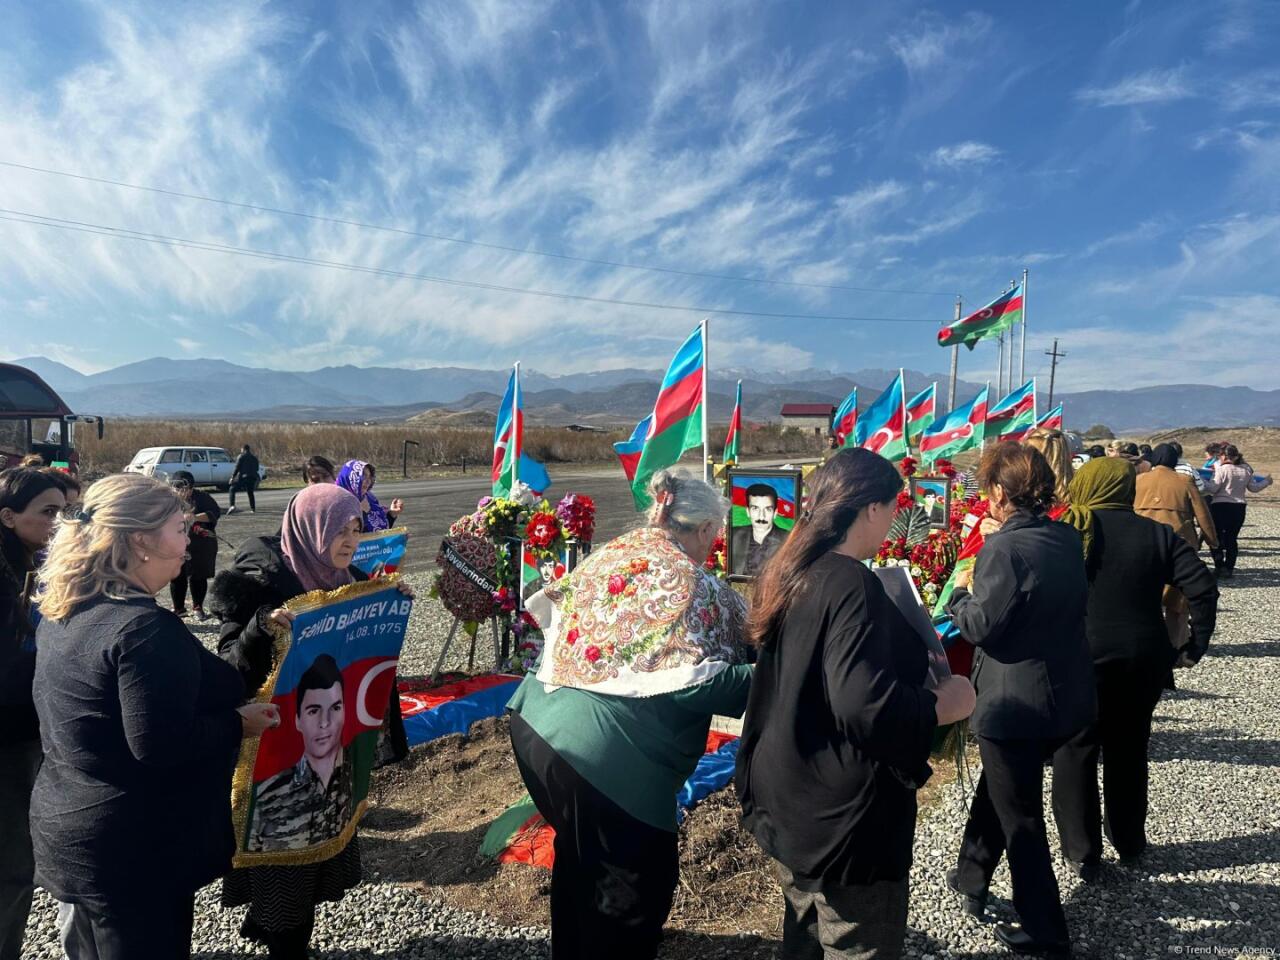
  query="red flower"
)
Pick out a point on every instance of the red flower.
point(572, 636)
point(907, 465)
point(542, 530)
point(617, 583)
point(904, 500)
point(592, 653)
point(944, 467)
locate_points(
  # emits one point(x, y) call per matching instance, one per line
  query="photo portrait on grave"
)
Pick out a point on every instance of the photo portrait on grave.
point(933, 496)
point(764, 511)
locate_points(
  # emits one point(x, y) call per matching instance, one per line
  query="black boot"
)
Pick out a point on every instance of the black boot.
point(1019, 941)
point(974, 906)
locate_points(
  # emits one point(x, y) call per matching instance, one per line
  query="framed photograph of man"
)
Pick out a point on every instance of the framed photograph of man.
point(933, 495)
point(764, 511)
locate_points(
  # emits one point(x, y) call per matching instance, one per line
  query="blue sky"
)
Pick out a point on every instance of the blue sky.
point(1129, 156)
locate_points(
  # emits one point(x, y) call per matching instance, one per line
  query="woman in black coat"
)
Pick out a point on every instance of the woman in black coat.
point(141, 728)
point(30, 503)
point(839, 721)
point(318, 539)
point(1130, 559)
point(202, 547)
point(1024, 611)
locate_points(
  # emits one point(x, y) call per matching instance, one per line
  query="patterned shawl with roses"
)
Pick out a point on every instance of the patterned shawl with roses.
point(638, 618)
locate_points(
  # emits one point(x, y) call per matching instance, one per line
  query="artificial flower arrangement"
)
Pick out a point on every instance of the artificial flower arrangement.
point(482, 540)
point(928, 553)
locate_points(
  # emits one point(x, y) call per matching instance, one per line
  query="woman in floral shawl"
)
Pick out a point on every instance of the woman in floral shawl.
point(643, 648)
point(357, 477)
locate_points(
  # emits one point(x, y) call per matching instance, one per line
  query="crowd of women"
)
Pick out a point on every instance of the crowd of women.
point(120, 731)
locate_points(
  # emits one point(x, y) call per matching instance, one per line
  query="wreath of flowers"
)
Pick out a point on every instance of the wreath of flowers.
point(485, 538)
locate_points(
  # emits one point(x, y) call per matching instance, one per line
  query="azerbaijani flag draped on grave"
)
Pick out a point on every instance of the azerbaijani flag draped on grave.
point(1015, 415)
point(882, 428)
point(846, 419)
point(992, 320)
point(961, 429)
point(921, 410)
point(735, 428)
point(676, 423)
point(1052, 420)
point(628, 450)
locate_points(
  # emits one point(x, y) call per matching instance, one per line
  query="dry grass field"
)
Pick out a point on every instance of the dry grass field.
point(283, 447)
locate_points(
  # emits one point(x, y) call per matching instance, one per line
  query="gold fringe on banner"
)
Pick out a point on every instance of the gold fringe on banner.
point(242, 780)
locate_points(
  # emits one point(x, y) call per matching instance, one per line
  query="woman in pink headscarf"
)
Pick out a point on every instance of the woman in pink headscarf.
point(314, 550)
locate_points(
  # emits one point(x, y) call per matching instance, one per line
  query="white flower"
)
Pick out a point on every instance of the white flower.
point(915, 571)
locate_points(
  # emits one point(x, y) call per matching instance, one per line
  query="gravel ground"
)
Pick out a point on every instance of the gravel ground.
point(1209, 884)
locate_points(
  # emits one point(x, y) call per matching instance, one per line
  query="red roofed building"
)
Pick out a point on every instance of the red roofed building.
point(809, 417)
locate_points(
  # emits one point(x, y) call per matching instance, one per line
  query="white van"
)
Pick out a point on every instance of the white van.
point(211, 466)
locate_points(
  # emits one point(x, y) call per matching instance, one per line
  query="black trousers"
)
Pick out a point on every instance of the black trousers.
point(614, 876)
point(1128, 691)
point(1007, 818)
point(247, 486)
point(160, 931)
point(178, 590)
point(1228, 518)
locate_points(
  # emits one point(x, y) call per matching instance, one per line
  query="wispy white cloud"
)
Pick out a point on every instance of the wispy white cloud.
point(933, 42)
point(970, 153)
point(1150, 86)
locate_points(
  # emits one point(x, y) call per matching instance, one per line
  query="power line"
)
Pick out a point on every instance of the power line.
point(474, 243)
point(124, 233)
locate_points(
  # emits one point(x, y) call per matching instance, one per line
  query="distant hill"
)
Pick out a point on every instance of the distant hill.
point(216, 389)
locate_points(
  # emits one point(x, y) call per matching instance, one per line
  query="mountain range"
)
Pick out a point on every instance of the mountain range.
point(217, 389)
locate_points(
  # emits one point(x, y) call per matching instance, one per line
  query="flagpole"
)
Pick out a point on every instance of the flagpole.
point(517, 431)
point(706, 441)
point(906, 424)
point(1000, 364)
point(1022, 363)
point(955, 363)
point(983, 445)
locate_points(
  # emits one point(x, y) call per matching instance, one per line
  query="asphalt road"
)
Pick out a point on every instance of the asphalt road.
point(430, 506)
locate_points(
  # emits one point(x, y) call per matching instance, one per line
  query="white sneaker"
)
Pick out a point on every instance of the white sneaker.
point(230, 510)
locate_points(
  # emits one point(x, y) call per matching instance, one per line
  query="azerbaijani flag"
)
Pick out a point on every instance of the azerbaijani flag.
point(846, 418)
point(921, 410)
point(628, 451)
point(882, 428)
point(508, 440)
point(1052, 420)
point(676, 423)
point(735, 428)
point(1015, 415)
point(993, 319)
point(508, 447)
point(783, 489)
point(961, 429)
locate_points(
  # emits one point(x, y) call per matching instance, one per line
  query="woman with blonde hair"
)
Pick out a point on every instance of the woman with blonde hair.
point(643, 647)
point(1052, 445)
point(141, 728)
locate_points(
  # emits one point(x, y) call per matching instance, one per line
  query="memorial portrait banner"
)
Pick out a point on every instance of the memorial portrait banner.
point(381, 552)
point(300, 789)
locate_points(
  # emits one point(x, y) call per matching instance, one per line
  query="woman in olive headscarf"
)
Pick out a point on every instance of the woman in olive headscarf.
point(1129, 560)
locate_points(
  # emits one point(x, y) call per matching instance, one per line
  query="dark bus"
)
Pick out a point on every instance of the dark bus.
point(34, 419)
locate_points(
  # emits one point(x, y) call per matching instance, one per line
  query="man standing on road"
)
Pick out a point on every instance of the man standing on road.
point(244, 477)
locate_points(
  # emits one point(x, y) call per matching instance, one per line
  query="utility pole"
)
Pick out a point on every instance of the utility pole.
point(1053, 367)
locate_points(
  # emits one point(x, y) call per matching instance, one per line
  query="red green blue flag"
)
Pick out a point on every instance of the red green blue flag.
point(735, 428)
point(784, 491)
point(1015, 415)
point(628, 450)
point(882, 427)
point(846, 419)
point(921, 410)
point(1052, 420)
point(508, 440)
point(960, 430)
point(676, 423)
point(992, 320)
